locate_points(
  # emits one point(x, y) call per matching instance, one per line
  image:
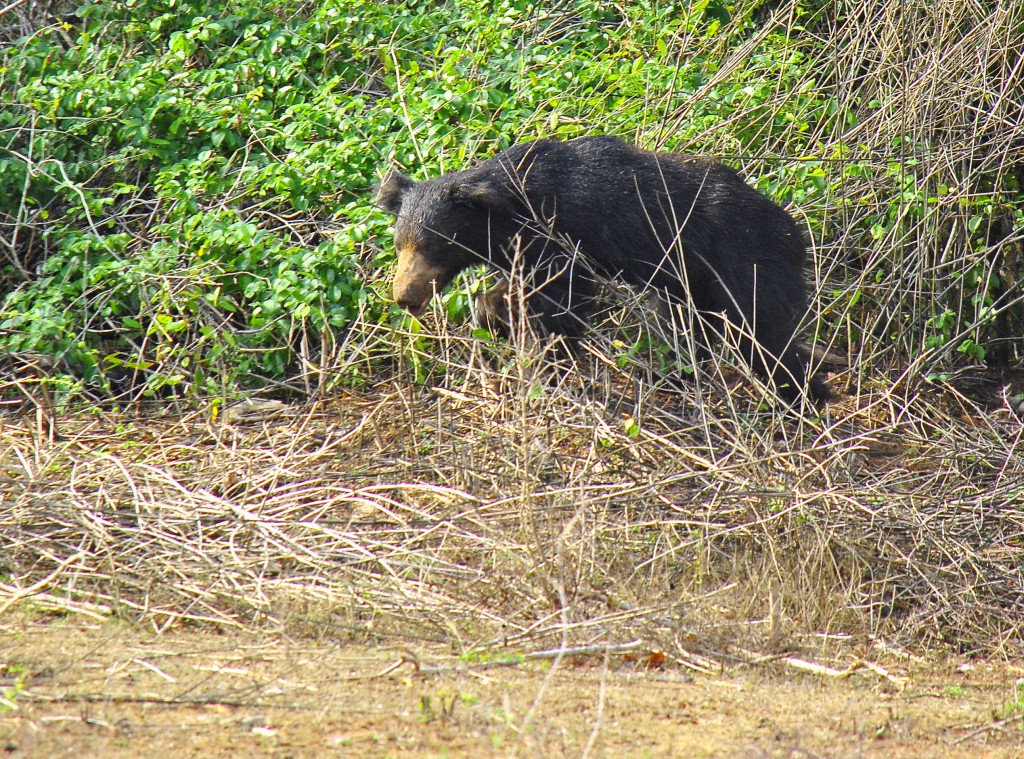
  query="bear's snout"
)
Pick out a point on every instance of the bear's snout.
point(416, 281)
point(412, 299)
point(416, 309)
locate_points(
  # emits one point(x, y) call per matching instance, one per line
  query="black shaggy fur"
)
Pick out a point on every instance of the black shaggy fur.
point(687, 227)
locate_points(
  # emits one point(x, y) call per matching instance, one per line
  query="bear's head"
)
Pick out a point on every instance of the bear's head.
point(442, 226)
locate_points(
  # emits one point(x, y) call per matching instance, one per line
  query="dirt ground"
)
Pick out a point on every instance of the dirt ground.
point(74, 687)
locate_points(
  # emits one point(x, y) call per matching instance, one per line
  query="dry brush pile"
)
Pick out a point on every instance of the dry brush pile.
point(529, 507)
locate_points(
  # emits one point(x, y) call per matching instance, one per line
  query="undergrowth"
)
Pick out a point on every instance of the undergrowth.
point(528, 506)
point(186, 216)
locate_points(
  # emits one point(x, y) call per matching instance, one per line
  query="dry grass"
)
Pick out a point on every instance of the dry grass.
point(528, 508)
point(930, 160)
point(938, 93)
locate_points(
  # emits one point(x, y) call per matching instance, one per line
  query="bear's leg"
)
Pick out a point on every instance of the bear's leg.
point(694, 322)
point(779, 357)
point(765, 316)
point(561, 307)
point(491, 310)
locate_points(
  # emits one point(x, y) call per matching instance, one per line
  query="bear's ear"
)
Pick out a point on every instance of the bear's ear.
point(484, 193)
point(391, 190)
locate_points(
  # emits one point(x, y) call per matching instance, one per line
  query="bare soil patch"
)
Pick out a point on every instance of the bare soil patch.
point(100, 689)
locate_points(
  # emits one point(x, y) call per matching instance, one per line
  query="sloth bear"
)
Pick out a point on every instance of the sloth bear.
point(563, 215)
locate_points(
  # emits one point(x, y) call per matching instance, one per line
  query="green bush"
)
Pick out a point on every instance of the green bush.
point(187, 185)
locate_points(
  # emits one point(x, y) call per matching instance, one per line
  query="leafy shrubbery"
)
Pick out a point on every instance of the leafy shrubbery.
point(185, 186)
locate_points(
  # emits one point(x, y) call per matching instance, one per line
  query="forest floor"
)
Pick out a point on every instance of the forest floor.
point(74, 687)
